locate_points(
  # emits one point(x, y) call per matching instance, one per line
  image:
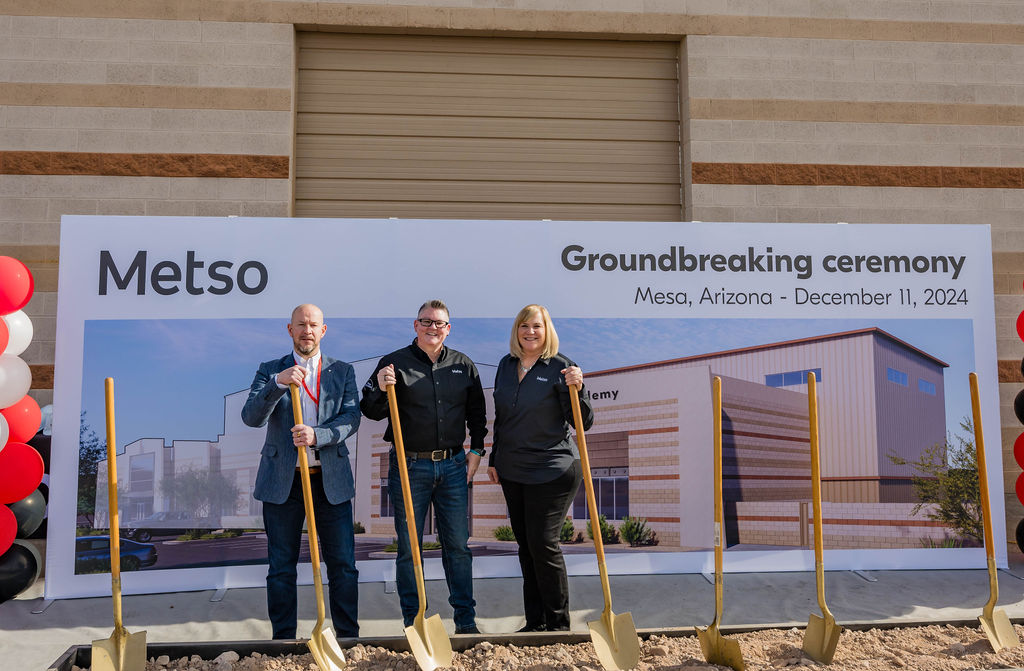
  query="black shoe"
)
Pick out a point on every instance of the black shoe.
point(467, 629)
point(560, 627)
point(532, 627)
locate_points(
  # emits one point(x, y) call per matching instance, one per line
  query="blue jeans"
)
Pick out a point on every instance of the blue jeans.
point(283, 523)
point(442, 483)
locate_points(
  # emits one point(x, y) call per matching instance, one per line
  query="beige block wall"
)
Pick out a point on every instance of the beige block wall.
point(945, 79)
point(84, 64)
point(858, 533)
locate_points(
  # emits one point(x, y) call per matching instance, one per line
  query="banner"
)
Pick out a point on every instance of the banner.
point(891, 319)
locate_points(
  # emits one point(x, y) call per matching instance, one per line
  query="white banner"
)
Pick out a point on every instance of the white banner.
point(180, 312)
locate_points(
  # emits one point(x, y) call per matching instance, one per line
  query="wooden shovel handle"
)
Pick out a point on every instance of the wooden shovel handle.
point(307, 501)
point(588, 482)
point(979, 446)
point(410, 512)
point(716, 429)
point(986, 509)
point(819, 543)
point(115, 528)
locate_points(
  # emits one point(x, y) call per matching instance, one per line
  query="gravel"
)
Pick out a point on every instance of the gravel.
point(932, 648)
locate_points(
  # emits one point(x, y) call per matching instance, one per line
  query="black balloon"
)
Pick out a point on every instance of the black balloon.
point(29, 512)
point(19, 568)
point(1018, 406)
point(41, 442)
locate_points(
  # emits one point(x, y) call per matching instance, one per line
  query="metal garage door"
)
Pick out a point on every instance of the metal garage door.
point(476, 127)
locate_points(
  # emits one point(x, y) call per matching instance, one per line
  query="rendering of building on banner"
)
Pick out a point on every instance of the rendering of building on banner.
point(879, 397)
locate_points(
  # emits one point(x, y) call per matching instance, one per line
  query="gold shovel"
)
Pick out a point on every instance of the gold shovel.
point(614, 636)
point(122, 651)
point(428, 640)
point(322, 643)
point(822, 633)
point(995, 623)
point(716, 648)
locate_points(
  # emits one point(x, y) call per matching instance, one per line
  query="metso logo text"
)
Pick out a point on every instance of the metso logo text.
point(166, 277)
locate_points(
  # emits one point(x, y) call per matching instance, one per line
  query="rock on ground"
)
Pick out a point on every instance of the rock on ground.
point(932, 648)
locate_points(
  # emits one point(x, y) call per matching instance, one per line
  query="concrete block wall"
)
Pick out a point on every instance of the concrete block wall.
point(134, 116)
point(875, 128)
point(845, 525)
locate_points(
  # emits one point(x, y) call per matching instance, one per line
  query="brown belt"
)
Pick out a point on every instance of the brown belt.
point(313, 470)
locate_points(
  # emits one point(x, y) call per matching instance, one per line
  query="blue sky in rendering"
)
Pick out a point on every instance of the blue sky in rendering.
point(171, 375)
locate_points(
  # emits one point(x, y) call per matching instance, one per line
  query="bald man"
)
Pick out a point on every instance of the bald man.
point(330, 414)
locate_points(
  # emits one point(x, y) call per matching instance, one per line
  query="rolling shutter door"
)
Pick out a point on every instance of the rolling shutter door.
point(475, 127)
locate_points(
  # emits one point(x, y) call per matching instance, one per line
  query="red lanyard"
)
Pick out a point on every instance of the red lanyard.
point(316, 399)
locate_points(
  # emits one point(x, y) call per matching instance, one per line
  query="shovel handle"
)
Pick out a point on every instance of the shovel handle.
point(410, 512)
point(307, 501)
point(979, 446)
point(986, 510)
point(819, 543)
point(588, 482)
point(115, 528)
point(716, 409)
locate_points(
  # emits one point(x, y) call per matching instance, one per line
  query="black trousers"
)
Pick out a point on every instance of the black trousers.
point(536, 513)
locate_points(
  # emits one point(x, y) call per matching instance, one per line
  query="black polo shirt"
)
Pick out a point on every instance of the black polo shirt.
point(437, 401)
point(532, 420)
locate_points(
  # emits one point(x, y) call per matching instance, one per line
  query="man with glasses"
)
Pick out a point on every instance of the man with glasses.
point(439, 396)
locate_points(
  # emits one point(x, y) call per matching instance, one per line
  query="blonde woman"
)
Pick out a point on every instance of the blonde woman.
point(535, 461)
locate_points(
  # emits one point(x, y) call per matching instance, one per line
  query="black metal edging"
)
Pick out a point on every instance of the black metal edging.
point(81, 655)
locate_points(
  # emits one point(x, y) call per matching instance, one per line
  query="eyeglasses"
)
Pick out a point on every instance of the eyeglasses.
point(439, 323)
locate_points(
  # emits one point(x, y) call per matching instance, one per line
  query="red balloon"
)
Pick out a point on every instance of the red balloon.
point(1020, 487)
point(1020, 325)
point(1018, 452)
point(8, 528)
point(21, 471)
point(16, 285)
point(5, 335)
point(23, 419)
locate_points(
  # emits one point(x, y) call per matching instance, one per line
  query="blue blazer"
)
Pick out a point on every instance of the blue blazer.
point(338, 411)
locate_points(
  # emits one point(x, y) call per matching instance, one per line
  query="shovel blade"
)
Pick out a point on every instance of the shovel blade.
point(619, 648)
point(719, 650)
point(821, 638)
point(125, 652)
point(999, 630)
point(325, 650)
point(429, 642)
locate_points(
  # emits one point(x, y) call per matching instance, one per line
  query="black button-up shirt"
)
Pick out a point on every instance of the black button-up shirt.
point(437, 401)
point(532, 420)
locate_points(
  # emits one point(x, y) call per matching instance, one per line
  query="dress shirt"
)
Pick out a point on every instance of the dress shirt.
point(309, 409)
point(437, 400)
point(532, 419)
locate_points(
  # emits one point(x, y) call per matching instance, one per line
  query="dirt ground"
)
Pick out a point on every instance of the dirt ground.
point(931, 648)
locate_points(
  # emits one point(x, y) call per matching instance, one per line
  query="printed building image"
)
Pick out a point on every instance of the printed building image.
point(877, 396)
point(650, 446)
point(145, 463)
point(651, 450)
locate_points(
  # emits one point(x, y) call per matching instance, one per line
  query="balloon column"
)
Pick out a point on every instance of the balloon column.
point(1018, 445)
point(22, 506)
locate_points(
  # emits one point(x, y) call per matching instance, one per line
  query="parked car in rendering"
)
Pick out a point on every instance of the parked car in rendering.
point(92, 554)
point(165, 523)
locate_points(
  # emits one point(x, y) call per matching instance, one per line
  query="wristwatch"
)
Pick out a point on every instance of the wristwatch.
point(479, 453)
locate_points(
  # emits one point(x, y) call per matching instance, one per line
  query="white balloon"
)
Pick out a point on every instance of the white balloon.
point(15, 379)
point(20, 327)
point(5, 432)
